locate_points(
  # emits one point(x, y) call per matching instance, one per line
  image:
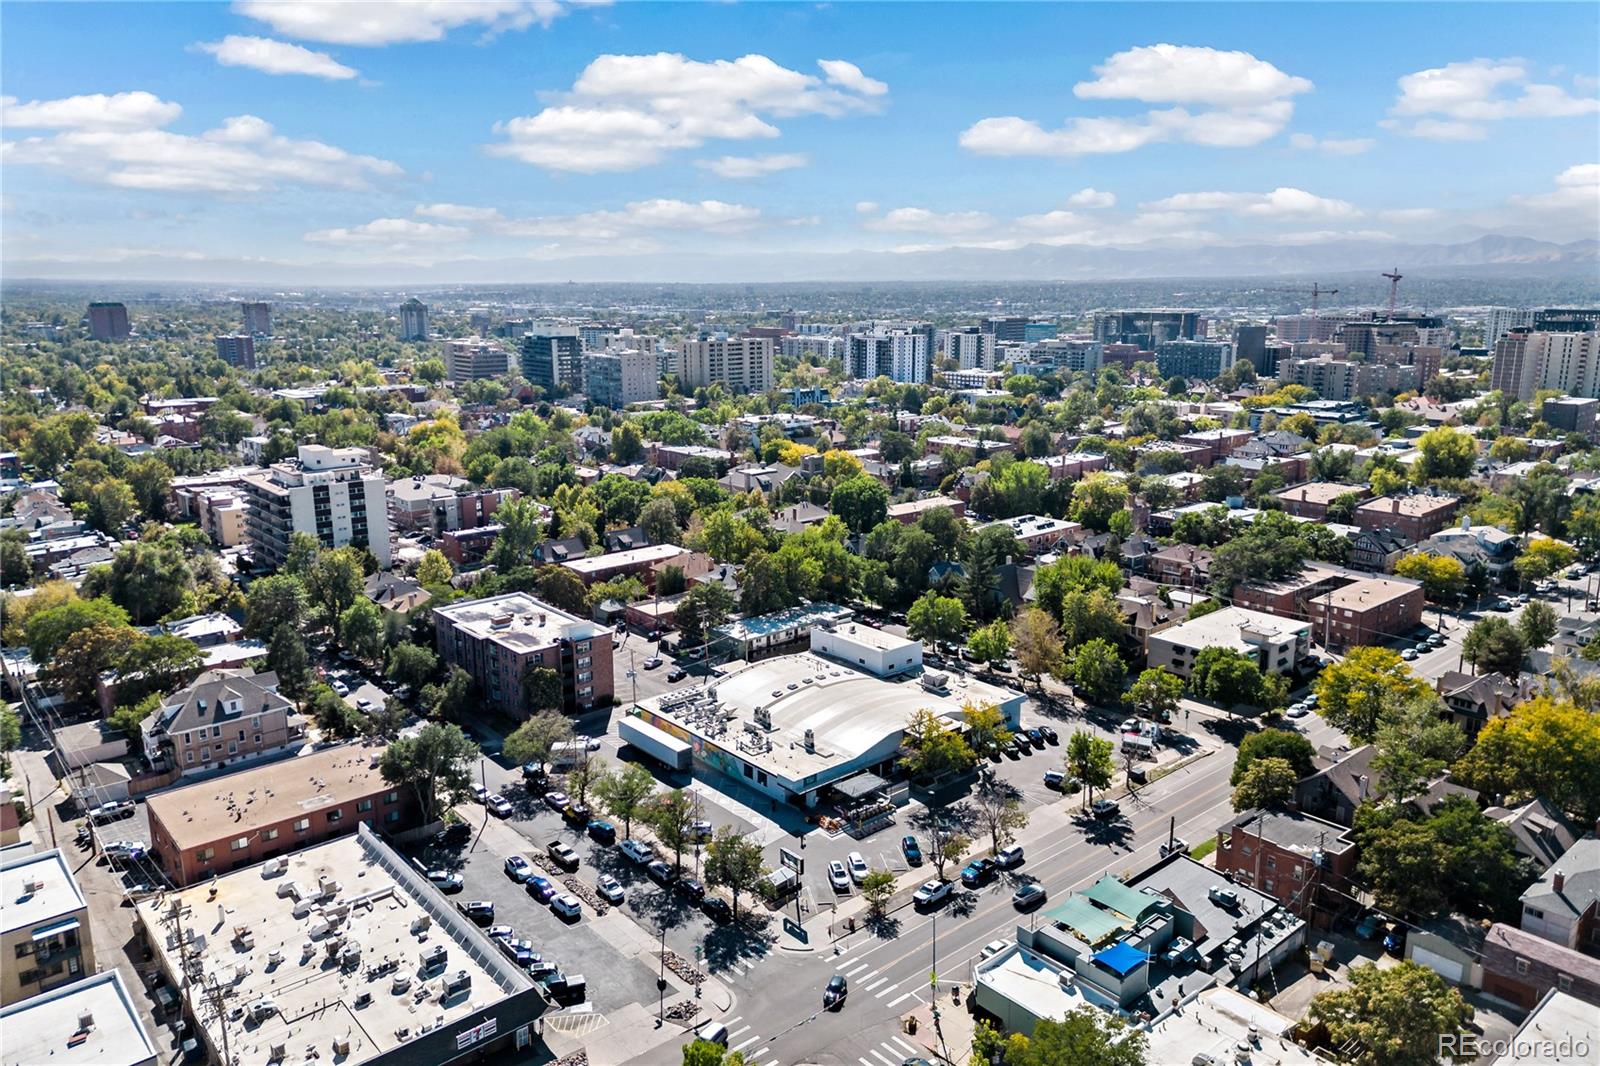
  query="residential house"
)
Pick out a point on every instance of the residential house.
point(394, 592)
point(799, 516)
point(1563, 906)
point(1378, 550)
point(1522, 968)
point(1488, 546)
point(1343, 781)
point(1476, 699)
point(910, 512)
point(1541, 831)
point(1180, 564)
point(224, 718)
point(1311, 500)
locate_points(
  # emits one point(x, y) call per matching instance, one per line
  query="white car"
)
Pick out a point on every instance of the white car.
point(340, 688)
point(837, 877)
point(567, 905)
point(639, 853)
point(1298, 711)
point(858, 867)
point(499, 805)
point(610, 890)
point(932, 893)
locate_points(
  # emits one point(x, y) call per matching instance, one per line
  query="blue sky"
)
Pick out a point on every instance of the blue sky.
point(315, 133)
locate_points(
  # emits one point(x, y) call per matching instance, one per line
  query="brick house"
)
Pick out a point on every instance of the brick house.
point(1312, 499)
point(257, 814)
point(1180, 564)
point(1521, 968)
point(224, 717)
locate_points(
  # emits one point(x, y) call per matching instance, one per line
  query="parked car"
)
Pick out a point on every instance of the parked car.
point(1009, 857)
point(858, 867)
point(662, 872)
point(480, 793)
point(912, 850)
point(340, 689)
point(1409, 655)
point(1129, 725)
point(838, 876)
point(561, 853)
point(653, 662)
point(834, 995)
point(500, 932)
point(712, 1033)
point(700, 829)
point(610, 890)
point(499, 806)
point(1035, 737)
point(690, 889)
point(126, 849)
point(541, 889)
point(576, 813)
point(555, 800)
point(1299, 710)
point(676, 674)
point(1176, 846)
point(1049, 734)
point(977, 873)
point(716, 908)
point(1105, 809)
point(637, 852)
point(602, 832)
point(1029, 895)
point(454, 833)
point(446, 880)
point(518, 869)
point(1021, 745)
point(479, 910)
point(1054, 779)
point(112, 811)
point(567, 905)
point(932, 892)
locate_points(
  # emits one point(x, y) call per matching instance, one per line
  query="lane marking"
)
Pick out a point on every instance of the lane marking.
point(739, 1031)
point(744, 1044)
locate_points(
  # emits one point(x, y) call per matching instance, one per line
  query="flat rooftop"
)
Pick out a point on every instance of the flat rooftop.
point(1034, 983)
point(1294, 831)
point(516, 621)
point(1221, 628)
point(763, 625)
point(265, 795)
point(1367, 592)
point(595, 564)
point(1215, 1023)
point(917, 507)
point(1416, 505)
point(59, 897)
point(856, 718)
point(1561, 1031)
point(46, 1027)
point(247, 936)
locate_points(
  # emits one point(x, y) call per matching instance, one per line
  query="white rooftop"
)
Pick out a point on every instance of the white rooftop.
point(58, 897)
point(1215, 1023)
point(248, 938)
point(1561, 1031)
point(46, 1028)
point(517, 621)
point(1034, 984)
point(654, 553)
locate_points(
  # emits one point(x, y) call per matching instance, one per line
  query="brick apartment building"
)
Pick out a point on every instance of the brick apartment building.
point(1312, 499)
point(1074, 466)
point(1302, 862)
point(909, 513)
point(469, 547)
point(1345, 607)
point(1220, 443)
point(1416, 517)
point(223, 718)
point(253, 815)
point(635, 562)
point(500, 639)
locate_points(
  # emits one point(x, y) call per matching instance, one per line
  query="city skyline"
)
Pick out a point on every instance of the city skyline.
point(541, 141)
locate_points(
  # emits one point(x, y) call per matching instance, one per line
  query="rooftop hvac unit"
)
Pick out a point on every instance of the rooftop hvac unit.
point(85, 1021)
point(272, 868)
point(420, 924)
point(278, 1052)
point(341, 1046)
point(288, 888)
point(811, 741)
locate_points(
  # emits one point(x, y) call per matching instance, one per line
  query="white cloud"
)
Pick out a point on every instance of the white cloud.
point(754, 166)
point(848, 76)
point(94, 111)
point(626, 112)
point(276, 57)
point(1235, 100)
point(1453, 102)
point(1331, 145)
point(866, 207)
point(392, 232)
point(1577, 193)
point(457, 212)
point(711, 216)
point(921, 220)
point(361, 22)
point(1092, 198)
point(1280, 203)
point(1410, 215)
point(114, 141)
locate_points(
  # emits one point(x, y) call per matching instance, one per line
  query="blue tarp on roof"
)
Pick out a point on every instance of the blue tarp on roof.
point(1122, 959)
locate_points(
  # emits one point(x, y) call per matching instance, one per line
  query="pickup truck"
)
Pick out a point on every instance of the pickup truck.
point(562, 855)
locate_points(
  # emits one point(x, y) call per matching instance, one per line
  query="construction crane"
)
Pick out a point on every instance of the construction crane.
point(1394, 277)
point(1317, 293)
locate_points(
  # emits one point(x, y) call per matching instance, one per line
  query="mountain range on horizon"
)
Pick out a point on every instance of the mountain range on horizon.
point(1491, 254)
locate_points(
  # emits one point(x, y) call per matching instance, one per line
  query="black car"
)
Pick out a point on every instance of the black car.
point(676, 674)
point(833, 996)
point(1049, 734)
point(1035, 737)
point(913, 850)
point(716, 908)
point(690, 889)
point(479, 910)
point(602, 832)
point(455, 833)
point(1021, 745)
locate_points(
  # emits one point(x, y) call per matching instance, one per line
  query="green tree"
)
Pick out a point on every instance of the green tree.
point(148, 578)
point(1394, 1016)
point(1156, 693)
point(287, 657)
point(10, 736)
point(1454, 857)
point(1292, 748)
point(1356, 695)
point(277, 600)
point(1096, 498)
point(437, 762)
point(112, 505)
point(1538, 624)
point(75, 667)
point(671, 816)
point(542, 689)
point(1227, 678)
point(1098, 671)
point(434, 569)
point(1000, 812)
point(1494, 646)
point(521, 530)
point(361, 630)
point(733, 861)
point(452, 698)
point(698, 1052)
point(535, 738)
point(1268, 783)
point(411, 664)
point(877, 888)
point(623, 794)
point(334, 582)
point(986, 726)
point(1091, 615)
point(1544, 747)
point(1090, 760)
point(627, 444)
point(1542, 557)
point(335, 718)
point(1442, 576)
point(1082, 1037)
point(935, 751)
point(937, 619)
point(130, 718)
point(1445, 453)
point(991, 643)
point(702, 609)
point(1037, 642)
point(862, 502)
point(658, 519)
point(562, 589)
point(1414, 744)
point(47, 630)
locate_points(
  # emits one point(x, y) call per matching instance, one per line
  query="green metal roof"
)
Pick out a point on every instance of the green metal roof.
point(1094, 924)
point(1109, 892)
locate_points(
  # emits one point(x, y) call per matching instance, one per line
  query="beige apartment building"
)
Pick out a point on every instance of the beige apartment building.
point(743, 364)
point(44, 926)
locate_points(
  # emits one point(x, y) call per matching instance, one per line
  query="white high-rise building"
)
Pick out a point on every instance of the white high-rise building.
point(471, 359)
point(813, 346)
point(1526, 361)
point(617, 379)
point(898, 354)
point(1499, 321)
point(743, 364)
point(971, 348)
point(331, 493)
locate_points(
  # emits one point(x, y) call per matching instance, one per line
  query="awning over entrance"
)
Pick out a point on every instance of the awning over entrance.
point(861, 785)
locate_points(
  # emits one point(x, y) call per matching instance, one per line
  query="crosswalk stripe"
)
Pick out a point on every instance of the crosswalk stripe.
point(907, 1048)
point(876, 983)
point(886, 991)
point(744, 1044)
point(887, 1061)
point(865, 1061)
point(739, 1031)
point(842, 963)
point(774, 1062)
point(756, 1054)
point(858, 969)
point(902, 999)
point(734, 1019)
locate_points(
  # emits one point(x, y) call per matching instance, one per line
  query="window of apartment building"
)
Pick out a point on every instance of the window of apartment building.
point(392, 817)
point(1523, 966)
point(216, 731)
point(1564, 982)
point(188, 756)
point(1272, 862)
point(233, 748)
point(585, 646)
point(269, 834)
point(335, 816)
point(205, 754)
point(588, 691)
point(302, 824)
point(255, 723)
point(1299, 873)
point(241, 735)
point(392, 797)
point(586, 676)
point(205, 854)
point(239, 845)
point(364, 805)
point(258, 738)
point(586, 660)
